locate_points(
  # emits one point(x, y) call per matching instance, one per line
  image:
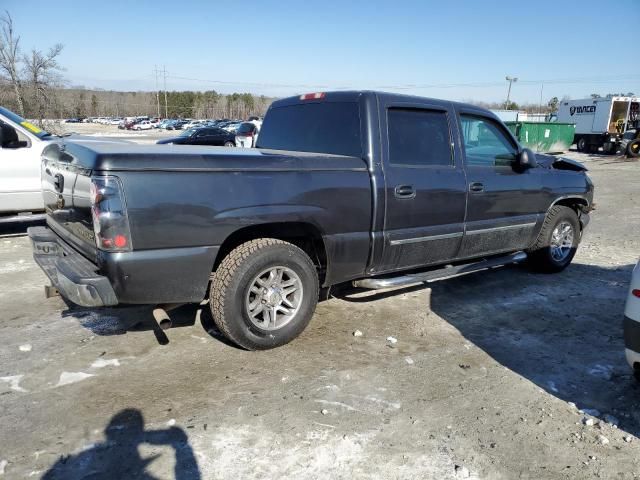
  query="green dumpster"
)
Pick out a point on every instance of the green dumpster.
point(544, 137)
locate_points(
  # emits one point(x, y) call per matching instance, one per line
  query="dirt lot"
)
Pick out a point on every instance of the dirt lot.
point(487, 378)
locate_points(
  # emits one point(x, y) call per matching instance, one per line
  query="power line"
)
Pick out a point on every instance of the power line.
point(577, 80)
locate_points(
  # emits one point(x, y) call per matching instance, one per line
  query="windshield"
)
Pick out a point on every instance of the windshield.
point(313, 127)
point(17, 119)
point(189, 132)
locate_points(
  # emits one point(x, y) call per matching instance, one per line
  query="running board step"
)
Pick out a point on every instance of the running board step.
point(440, 274)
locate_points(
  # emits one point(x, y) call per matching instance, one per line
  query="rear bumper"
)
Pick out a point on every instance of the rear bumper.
point(72, 274)
point(632, 340)
point(144, 277)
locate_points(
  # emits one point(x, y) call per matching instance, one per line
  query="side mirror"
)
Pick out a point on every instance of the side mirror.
point(526, 159)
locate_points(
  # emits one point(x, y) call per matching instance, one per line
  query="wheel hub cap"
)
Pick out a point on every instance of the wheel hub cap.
point(273, 298)
point(561, 241)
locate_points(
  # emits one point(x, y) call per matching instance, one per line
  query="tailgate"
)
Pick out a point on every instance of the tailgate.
point(66, 188)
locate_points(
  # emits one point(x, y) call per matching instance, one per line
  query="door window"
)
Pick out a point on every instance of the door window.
point(485, 143)
point(419, 138)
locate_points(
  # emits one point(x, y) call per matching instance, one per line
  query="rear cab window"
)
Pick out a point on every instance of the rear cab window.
point(419, 138)
point(320, 127)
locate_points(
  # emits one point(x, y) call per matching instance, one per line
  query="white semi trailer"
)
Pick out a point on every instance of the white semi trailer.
point(601, 122)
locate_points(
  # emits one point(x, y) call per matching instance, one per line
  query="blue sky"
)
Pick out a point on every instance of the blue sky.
point(456, 49)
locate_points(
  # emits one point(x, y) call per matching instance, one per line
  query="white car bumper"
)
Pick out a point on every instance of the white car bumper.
point(632, 320)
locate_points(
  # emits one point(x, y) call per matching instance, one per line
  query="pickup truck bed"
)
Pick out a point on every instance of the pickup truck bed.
point(343, 186)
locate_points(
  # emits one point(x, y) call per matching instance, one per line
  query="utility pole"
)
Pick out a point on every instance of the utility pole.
point(510, 80)
point(155, 71)
point(166, 108)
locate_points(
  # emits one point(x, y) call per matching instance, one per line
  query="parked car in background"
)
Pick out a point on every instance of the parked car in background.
point(246, 135)
point(211, 136)
point(115, 121)
point(143, 125)
point(176, 125)
point(632, 323)
point(232, 127)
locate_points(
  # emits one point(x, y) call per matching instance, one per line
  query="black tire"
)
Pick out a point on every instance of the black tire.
point(232, 281)
point(582, 145)
point(542, 256)
point(636, 374)
point(229, 144)
point(633, 149)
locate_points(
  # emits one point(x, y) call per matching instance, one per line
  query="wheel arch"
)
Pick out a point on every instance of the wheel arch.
point(304, 235)
point(578, 204)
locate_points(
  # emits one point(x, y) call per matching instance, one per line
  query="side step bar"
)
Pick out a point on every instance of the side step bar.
point(439, 274)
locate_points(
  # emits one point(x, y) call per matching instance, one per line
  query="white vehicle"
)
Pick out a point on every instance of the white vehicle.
point(247, 135)
point(115, 121)
point(143, 125)
point(632, 323)
point(21, 145)
point(601, 122)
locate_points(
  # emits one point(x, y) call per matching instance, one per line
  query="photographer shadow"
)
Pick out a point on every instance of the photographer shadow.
point(118, 456)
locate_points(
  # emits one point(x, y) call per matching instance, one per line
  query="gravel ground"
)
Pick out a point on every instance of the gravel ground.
point(496, 375)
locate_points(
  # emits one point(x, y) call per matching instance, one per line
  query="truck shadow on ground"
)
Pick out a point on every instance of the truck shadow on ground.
point(562, 332)
point(121, 320)
point(118, 456)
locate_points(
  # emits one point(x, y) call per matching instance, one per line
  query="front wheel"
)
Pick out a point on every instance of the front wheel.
point(633, 149)
point(557, 241)
point(229, 144)
point(581, 144)
point(264, 293)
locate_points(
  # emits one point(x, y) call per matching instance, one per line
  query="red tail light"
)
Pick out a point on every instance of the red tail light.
point(636, 292)
point(110, 220)
point(312, 96)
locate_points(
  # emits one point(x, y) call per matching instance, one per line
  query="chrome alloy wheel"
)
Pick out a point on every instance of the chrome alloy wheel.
point(561, 241)
point(273, 298)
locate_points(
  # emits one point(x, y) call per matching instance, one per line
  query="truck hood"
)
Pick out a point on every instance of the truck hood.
point(559, 163)
point(119, 156)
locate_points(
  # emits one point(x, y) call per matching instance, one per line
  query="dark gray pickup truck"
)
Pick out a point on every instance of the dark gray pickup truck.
point(371, 188)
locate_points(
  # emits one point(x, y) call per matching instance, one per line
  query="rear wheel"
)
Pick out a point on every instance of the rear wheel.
point(229, 144)
point(264, 293)
point(557, 241)
point(633, 149)
point(582, 144)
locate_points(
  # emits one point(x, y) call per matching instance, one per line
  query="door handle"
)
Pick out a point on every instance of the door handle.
point(476, 187)
point(404, 191)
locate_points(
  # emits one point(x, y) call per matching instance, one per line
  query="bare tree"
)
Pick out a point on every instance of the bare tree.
point(10, 57)
point(42, 72)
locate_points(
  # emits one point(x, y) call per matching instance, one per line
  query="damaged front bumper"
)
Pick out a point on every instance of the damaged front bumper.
point(70, 273)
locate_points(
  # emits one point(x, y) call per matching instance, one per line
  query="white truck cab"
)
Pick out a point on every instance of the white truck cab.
point(21, 146)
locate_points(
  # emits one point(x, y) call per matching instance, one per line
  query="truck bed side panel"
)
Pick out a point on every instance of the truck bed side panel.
point(202, 208)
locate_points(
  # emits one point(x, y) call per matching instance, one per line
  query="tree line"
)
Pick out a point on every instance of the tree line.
point(31, 84)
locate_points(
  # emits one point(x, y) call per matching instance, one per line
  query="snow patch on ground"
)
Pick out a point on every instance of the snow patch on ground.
point(320, 454)
point(67, 378)
point(14, 382)
point(101, 363)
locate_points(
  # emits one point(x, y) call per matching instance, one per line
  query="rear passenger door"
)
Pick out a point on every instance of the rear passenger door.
point(504, 203)
point(425, 185)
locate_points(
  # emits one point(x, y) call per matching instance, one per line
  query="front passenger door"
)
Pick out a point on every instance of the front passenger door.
point(503, 202)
